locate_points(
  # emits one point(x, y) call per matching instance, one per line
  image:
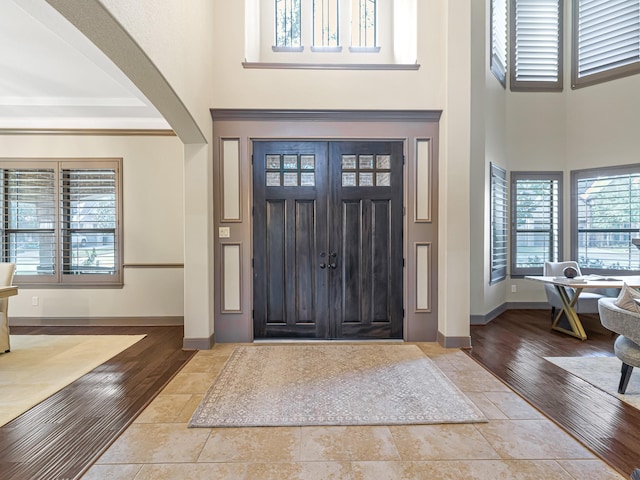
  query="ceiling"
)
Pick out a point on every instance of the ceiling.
point(52, 77)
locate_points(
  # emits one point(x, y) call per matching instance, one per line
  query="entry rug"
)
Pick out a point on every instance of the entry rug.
point(342, 384)
point(603, 373)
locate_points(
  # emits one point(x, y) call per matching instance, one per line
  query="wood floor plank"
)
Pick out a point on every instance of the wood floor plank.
point(513, 347)
point(62, 436)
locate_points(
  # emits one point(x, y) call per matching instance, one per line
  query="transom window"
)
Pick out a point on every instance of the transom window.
point(343, 33)
point(498, 59)
point(61, 221)
point(536, 45)
point(606, 40)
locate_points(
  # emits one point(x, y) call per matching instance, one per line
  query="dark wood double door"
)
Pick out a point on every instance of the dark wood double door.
point(327, 239)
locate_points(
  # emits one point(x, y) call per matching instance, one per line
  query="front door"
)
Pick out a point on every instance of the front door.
point(327, 239)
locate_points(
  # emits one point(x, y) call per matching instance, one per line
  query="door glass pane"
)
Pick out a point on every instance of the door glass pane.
point(308, 179)
point(307, 162)
point(383, 162)
point(366, 162)
point(290, 179)
point(366, 179)
point(348, 179)
point(383, 179)
point(273, 162)
point(273, 179)
point(349, 162)
point(290, 162)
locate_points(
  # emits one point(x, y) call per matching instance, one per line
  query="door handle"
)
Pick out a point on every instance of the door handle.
point(332, 265)
point(323, 265)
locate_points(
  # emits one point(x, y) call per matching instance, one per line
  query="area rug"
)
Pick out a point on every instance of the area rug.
point(603, 373)
point(40, 365)
point(341, 384)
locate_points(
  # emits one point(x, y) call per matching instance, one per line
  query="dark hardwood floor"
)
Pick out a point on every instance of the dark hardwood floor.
point(61, 437)
point(513, 347)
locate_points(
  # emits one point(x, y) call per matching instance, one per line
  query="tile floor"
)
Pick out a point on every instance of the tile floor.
point(516, 443)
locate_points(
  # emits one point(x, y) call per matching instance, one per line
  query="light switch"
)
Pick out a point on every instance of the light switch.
point(224, 232)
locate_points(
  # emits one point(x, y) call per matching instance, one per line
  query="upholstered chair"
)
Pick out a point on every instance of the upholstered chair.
point(627, 345)
point(6, 278)
point(588, 299)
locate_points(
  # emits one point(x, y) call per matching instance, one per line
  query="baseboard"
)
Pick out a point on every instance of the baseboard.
point(484, 319)
point(454, 342)
point(95, 321)
point(199, 343)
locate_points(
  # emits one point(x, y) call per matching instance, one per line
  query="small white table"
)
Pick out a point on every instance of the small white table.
point(577, 330)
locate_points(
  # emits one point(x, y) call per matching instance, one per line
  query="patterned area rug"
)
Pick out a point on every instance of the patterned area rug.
point(342, 384)
point(603, 373)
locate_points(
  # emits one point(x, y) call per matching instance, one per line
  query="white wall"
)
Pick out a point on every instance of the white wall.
point(152, 224)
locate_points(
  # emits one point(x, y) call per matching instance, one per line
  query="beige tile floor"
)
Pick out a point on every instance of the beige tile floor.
point(516, 443)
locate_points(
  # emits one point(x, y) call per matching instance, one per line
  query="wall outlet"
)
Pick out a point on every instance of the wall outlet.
point(514, 288)
point(35, 301)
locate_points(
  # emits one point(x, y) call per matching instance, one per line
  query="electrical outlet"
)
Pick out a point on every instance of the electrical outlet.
point(35, 301)
point(514, 288)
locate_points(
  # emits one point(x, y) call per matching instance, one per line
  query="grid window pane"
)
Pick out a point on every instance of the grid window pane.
point(607, 209)
point(288, 24)
point(536, 221)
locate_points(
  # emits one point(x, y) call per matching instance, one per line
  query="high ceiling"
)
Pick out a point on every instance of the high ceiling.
point(52, 77)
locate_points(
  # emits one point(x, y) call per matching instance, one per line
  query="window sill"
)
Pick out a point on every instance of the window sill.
point(332, 66)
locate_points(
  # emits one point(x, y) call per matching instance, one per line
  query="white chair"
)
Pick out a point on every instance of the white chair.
point(6, 278)
point(588, 299)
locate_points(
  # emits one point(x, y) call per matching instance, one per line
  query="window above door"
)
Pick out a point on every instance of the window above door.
point(331, 34)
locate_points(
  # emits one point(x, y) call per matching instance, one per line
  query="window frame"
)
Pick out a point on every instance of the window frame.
point(498, 186)
point(558, 254)
point(577, 175)
point(518, 85)
point(60, 279)
point(613, 73)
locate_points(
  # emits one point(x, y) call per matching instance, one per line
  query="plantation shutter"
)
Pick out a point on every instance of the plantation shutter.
point(498, 223)
point(88, 220)
point(608, 39)
point(28, 236)
point(536, 211)
point(537, 48)
point(499, 39)
point(608, 218)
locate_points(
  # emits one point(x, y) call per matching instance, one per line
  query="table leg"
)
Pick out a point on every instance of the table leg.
point(568, 304)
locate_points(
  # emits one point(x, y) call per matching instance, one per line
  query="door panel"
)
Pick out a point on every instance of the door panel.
point(328, 239)
point(290, 297)
point(366, 232)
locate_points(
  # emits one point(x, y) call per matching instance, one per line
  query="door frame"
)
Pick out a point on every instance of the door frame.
point(233, 134)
